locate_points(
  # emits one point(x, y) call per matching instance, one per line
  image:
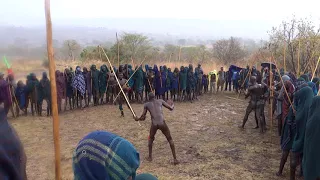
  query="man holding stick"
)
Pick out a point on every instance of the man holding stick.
point(154, 106)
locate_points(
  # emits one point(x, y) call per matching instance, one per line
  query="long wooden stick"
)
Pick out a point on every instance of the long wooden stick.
point(284, 57)
point(54, 105)
point(124, 94)
point(244, 80)
point(271, 96)
point(315, 69)
point(129, 79)
point(118, 50)
point(298, 71)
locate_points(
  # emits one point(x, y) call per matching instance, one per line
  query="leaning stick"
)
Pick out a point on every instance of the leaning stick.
point(284, 87)
point(271, 95)
point(53, 92)
point(315, 69)
point(133, 113)
point(10, 94)
point(129, 79)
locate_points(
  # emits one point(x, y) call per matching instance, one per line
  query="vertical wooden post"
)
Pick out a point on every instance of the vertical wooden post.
point(271, 96)
point(118, 50)
point(298, 71)
point(179, 54)
point(54, 105)
point(284, 56)
point(315, 69)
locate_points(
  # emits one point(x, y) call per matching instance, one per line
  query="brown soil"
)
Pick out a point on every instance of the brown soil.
point(208, 141)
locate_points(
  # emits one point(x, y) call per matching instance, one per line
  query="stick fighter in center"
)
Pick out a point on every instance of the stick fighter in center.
point(154, 106)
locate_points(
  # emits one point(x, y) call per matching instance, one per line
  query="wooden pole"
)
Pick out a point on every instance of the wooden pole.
point(284, 57)
point(298, 71)
point(271, 95)
point(315, 69)
point(54, 105)
point(179, 54)
point(124, 94)
point(118, 50)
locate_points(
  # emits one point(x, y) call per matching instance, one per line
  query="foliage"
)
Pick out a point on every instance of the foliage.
point(298, 42)
point(228, 50)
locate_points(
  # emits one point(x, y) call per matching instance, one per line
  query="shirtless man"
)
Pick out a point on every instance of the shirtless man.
point(154, 106)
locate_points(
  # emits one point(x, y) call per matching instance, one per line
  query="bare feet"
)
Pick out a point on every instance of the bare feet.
point(241, 127)
point(175, 162)
point(257, 127)
point(278, 174)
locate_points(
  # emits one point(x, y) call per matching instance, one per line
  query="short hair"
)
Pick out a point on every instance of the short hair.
point(151, 95)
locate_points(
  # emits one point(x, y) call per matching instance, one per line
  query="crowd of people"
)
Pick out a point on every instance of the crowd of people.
point(295, 104)
point(83, 87)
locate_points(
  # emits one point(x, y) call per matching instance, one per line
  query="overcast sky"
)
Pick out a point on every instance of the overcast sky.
point(255, 17)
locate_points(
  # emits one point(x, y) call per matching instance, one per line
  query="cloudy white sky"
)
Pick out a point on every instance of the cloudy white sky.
point(258, 16)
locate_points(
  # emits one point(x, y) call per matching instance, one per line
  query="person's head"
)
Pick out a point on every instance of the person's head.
point(1, 75)
point(10, 77)
point(221, 68)
point(58, 73)
point(85, 70)
point(78, 69)
point(253, 79)
point(151, 96)
point(93, 67)
point(33, 76)
point(103, 155)
point(44, 75)
point(20, 84)
point(199, 65)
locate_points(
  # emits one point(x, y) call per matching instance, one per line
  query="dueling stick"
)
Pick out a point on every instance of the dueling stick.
point(284, 57)
point(53, 92)
point(271, 96)
point(124, 94)
point(315, 69)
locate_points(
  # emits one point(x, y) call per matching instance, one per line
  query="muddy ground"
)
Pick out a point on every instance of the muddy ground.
point(208, 141)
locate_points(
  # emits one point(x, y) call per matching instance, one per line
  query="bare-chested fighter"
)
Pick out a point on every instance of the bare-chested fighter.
point(154, 106)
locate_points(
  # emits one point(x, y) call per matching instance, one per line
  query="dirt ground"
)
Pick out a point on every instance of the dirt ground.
point(208, 142)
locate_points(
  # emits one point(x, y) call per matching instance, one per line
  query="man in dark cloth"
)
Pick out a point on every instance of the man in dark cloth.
point(174, 84)
point(311, 155)
point(20, 94)
point(60, 84)
point(169, 74)
point(191, 84)
point(228, 80)
point(5, 96)
point(205, 83)
point(32, 89)
point(88, 94)
point(103, 79)
point(79, 86)
point(302, 101)
point(95, 84)
point(149, 82)
point(257, 93)
point(139, 84)
point(154, 107)
point(199, 74)
point(44, 93)
point(12, 156)
point(12, 86)
point(130, 82)
point(213, 81)
point(182, 83)
point(69, 89)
